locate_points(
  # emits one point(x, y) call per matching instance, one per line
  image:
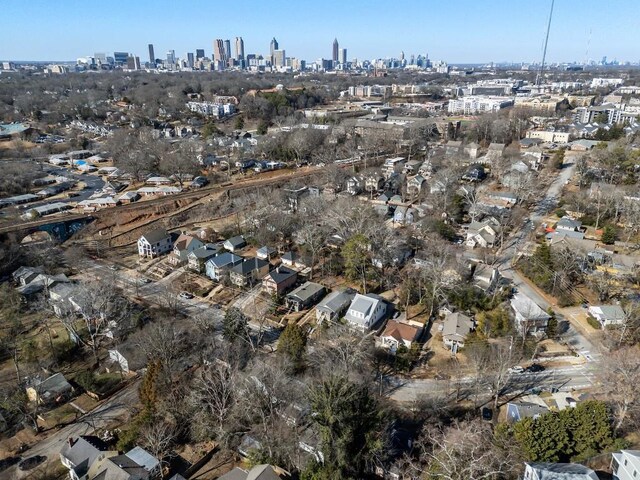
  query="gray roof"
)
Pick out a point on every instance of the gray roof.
point(156, 235)
point(206, 251)
point(249, 265)
point(143, 458)
point(225, 259)
point(281, 274)
point(458, 325)
point(236, 474)
point(570, 223)
point(336, 301)
point(236, 242)
point(52, 386)
point(306, 291)
point(82, 452)
point(529, 309)
point(364, 304)
point(562, 471)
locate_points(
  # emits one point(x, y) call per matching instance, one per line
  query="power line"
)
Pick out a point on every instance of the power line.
point(546, 41)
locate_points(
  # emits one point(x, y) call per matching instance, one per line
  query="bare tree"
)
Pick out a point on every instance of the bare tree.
point(158, 436)
point(619, 375)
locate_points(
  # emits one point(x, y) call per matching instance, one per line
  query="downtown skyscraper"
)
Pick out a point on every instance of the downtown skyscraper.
point(239, 48)
point(336, 49)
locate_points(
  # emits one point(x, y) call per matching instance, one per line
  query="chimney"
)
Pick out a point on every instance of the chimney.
point(71, 441)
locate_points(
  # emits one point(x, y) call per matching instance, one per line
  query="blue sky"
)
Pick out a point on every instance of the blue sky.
point(459, 31)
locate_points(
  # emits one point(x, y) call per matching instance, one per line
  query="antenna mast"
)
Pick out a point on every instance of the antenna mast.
point(546, 40)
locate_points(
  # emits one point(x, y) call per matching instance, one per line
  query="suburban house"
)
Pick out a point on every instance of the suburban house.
point(54, 389)
point(278, 281)
point(471, 150)
point(235, 243)
point(530, 318)
point(249, 271)
point(399, 333)
point(452, 147)
point(333, 306)
point(485, 277)
point(521, 409)
point(136, 464)
point(373, 182)
point(393, 165)
point(495, 151)
point(354, 185)
point(266, 253)
point(293, 260)
point(415, 185)
point(305, 296)
point(154, 243)
point(259, 472)
point(483, 234)
point(78, 454)
point(570, 227)
point(412, 167)
point(457, 326)
point(182, 247)
point(405, 215)
point(218, 266)
point(608, 314)
point(625, 465)
point(197, 259)
point(559, 471)
point(365, 311)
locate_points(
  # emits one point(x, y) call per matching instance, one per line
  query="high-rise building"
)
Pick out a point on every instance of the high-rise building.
point(101, 58)
point(190, 61)
point(133, 62)
point(120, 58)
point(273, 46)
point(227, 49)
point(342, 56)
point(239, 48)
point(279, 58)
point(152, 56)
point(199, 53)
point(335, 51)
point(171, 57)
point(219, 52)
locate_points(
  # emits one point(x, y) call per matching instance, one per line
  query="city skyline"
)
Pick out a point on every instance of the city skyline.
point(462, 32)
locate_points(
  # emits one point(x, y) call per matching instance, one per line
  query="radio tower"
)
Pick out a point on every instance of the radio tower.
point(546, 40)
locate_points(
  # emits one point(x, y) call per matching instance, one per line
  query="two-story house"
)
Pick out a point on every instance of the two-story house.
point(333, 306)
point(197, 259)
point(365, 311)
point(182, 247)
point(305, 296)
point(234, 244)
point(217, 267)
point(278, 281)
point(248, 272)
point(154, 243)
point(398, 333)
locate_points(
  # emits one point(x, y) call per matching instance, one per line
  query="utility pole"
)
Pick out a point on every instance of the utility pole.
point(546, 40)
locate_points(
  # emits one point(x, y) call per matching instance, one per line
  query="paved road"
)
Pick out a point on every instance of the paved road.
point(572, 336)
point(112, 409)
point(566, 379)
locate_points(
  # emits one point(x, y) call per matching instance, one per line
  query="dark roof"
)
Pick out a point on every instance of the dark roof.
point(249, 265)
point(281, 274)
point(237, 241)
point(156, 235)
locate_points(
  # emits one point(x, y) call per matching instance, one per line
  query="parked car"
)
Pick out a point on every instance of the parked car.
point(534, 368)
point(516, 369)
point(186, 295)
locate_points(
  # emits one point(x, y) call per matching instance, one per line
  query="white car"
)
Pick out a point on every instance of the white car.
point(516, 369)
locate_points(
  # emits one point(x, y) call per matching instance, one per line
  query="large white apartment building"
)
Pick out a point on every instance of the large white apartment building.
point(478, 104)
point(213, 109)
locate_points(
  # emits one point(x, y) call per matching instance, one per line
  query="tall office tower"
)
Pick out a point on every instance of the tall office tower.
point(120, 58)
point(101, 58)
point(273, 46)
point(171, 57)
point(152, 56)
point(342, 56)
point(190, 61)
point(227, 50)
point(335, 51)
point(239, 48)
point(219, 52)
point(133, 62)
point(199, 53)
point(279, 58)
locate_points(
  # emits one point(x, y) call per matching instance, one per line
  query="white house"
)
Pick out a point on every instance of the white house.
point(608, 314)
point(154, 243)
point(530, 318)
point(625, 465)
point(365, 311)
point(455, 330)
